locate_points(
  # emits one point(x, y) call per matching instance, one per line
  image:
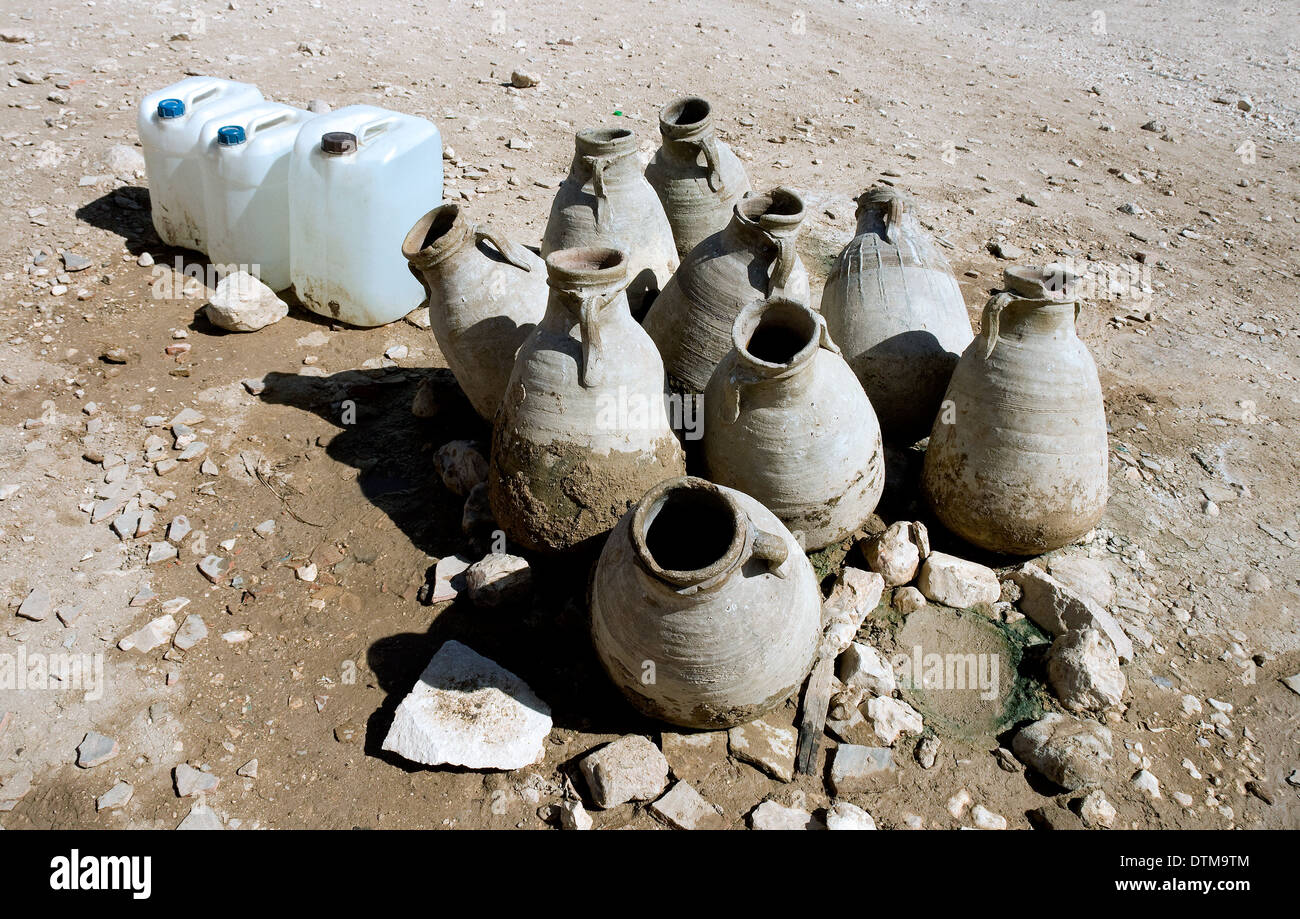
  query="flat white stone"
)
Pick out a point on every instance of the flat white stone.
point(117, 796)
point(468, 711)
point(158, 632)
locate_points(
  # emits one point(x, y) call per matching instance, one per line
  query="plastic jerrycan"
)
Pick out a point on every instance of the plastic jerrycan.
point(246, 156)
point(359, 179)
point(170, 122)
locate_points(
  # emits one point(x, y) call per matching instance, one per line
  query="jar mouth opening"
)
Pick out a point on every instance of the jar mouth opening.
point(687, 531)
point(1053, 282)
point(605, 140)
point(684, 114)
point(780, 207)
point(432, 231)
point(586, 266)
point(776, 334)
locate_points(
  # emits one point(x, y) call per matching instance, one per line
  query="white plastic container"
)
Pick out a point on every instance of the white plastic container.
point(359, 179)
point(170, 122)
point(246, 156)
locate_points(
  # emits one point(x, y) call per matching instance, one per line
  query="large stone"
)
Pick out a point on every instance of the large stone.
point(891, 717)
point(468, 711)
point(1069, 751)
point(956, 582)
point(845, 816)
point(767, 746)
point(499, 579)
point(1084, 671)
point(856, 768)
point(893, 555)
point(862, 665)
point(1056, 609)
point(1085, 576)
point(855, 594)
point(772, 816)
point(630, 769)
point(242, 303)
point(461, 466)
point(684, 808)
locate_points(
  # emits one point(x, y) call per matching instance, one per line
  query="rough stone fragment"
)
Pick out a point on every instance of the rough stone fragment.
point(36, 605)
point(95, 748)
point(1084, 671)
point(156, 633)
point(956, 582)
point(1056, 608)
point(117, 796)
point(1069, 751)
point(893, 555)
point(631, 768)
point(498, 580)
point(449, 577)
point(461, 466)
point(684, 808)
point(201, 817)
point(843, 815)
point(772, 816)
point(191, 632)
point(857, 768)
point(891, 717)
point(469, 711)
point(242, 303)
point(862, 665)
point(1097, 811)
point(190, 781)
point(766, 746)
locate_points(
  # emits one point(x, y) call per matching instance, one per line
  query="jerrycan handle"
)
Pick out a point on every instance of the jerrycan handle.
point(510, 251)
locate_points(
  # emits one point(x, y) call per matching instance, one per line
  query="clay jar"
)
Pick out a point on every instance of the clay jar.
point(606, 201)
point(583, 428)
point(697, 177)
point(1017, 457)
point(786, 422)
point(754, 257)
point(704, 611)
point(485, 295)
point(894, 308)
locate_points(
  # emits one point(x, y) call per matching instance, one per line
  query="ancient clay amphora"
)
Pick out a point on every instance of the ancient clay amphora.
point(485, 295)
point(786, 422)
point(753, 257)
point(583, 428)
point(894, 308)
point(697, 177)
point(1017, 455)
point(606, 201)
point(704, 610)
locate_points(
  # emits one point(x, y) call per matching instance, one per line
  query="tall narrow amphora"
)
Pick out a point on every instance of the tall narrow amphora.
point(1017, 456)
point(583, 428)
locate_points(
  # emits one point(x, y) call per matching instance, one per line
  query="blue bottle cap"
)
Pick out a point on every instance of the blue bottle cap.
point(171, 108)
point(231, 135)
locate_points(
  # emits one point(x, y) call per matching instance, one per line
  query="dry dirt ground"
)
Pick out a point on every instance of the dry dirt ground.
point(1020, 123)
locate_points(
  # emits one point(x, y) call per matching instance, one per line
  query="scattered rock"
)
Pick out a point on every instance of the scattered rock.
point(123, 160)
point(214, 568)
point(191, 632)
point(94, 749)
point(845, 816)
point(117, 796)
point(449, 577)
point(1084, 671)
point(985, 819)
point(956, 582)
point(1096, 811)
point(522, 79)
point(770, 748)
point(499, 580)
point(857, 768)
point(894, 555)
point(630, 769)
point(573, 816)
point(1070, 752)
point(242, 303)
point(863, 666)
point(36, 605)
point(461, 466)
point(201, 817)
point(772, 816)
point(14, 788)
point(1144, 780)
point(908, 600)
point(1085, 576)
point(684, 808)
point(1056, 609)
point(190, 781)
point(248, 770)
point(927, 750)
point(891, 717)
point(468, 711)
point(155, 634)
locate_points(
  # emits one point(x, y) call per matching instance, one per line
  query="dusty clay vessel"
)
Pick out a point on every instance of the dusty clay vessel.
point(606, 201)
point(786, 422)
point(483, 299)
point(894, 308)
point(697, 177)
point(704, 610)
point(754, 257)
point(583, 427)
point(1017, 457)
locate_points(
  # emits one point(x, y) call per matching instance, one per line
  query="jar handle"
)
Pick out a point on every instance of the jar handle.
point(589, 310)
point(732, 393)
point(428, 291)
point(601, 208)
point(509, 250)
point(708, 145)
point(784, 263)
point(770, 548)
point(824, 335)
point(992, 316)
point(893, 218)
